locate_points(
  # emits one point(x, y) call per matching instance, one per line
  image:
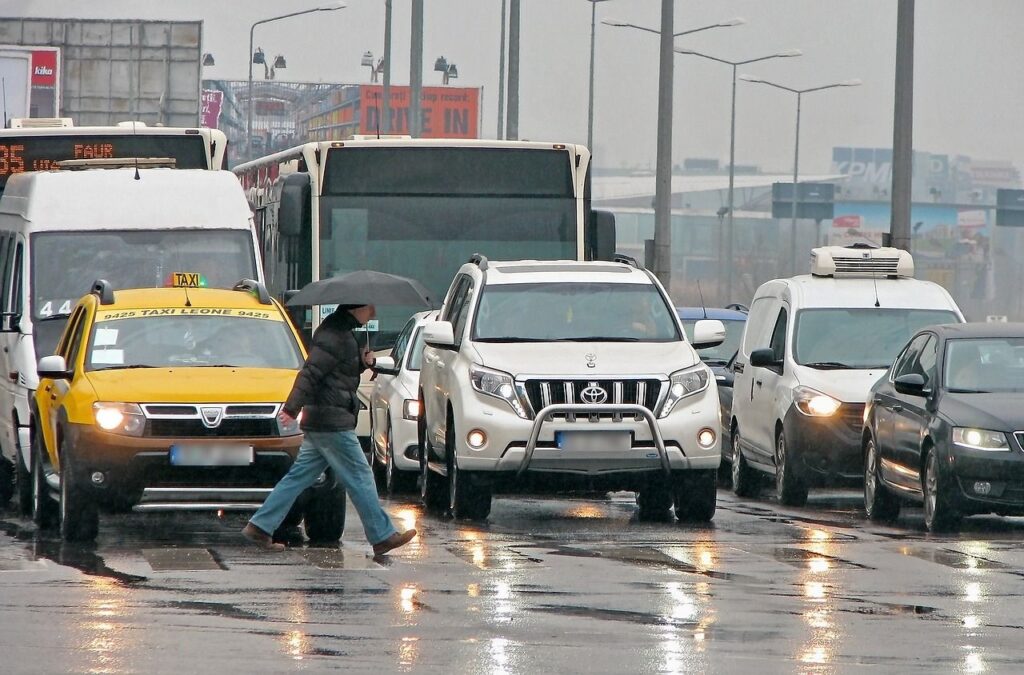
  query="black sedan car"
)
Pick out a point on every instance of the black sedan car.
point(945, 426)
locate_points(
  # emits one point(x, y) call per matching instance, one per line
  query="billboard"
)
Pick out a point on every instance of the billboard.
point(448, 112)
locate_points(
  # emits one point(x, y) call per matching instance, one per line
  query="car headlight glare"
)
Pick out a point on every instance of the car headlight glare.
point(497, 384)
point(813, 403)
point(684, 383)
point(119, 418)
point(980, 439)
point(411, 409)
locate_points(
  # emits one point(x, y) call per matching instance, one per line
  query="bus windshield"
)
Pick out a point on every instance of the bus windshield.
point(65, 264)
point(422, 212)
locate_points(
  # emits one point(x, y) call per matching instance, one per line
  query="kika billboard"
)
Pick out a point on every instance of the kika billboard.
point(447, 112)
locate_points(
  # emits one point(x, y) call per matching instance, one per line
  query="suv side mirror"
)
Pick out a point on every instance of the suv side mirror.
point(911, 384)
point(708, 333)
point(386, 366)
point(53, 367)
point(439, 334)
point(764, 358)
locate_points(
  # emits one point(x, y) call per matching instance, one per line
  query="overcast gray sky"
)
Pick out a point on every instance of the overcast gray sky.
point(968, 96)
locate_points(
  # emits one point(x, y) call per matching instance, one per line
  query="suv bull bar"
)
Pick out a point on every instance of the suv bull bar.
point(586, 409)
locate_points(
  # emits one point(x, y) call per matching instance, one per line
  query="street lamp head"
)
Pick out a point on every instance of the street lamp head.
point(856, 82)
point(614, 22)
point(279, 62)
point(441, 64)
point(208, 59)
point(453, 72)
point(258, 57)
point(789, 53)
point(367, 59)
point(738, 21)
point(331, 6)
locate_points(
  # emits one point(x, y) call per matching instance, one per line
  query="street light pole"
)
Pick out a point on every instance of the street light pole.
point(590, 107)
point(248, 124)
point(501, 74)
point(386, 94)
point(663, 162)
point(796, 150)
point(729, 230)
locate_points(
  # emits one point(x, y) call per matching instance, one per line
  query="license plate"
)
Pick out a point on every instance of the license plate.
point(211, 455)
point(599, 441)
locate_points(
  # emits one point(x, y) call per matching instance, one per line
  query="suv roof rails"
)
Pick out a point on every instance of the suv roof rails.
point(104, 289)
point(254, 287)
point(626, 260)
point(480, 260)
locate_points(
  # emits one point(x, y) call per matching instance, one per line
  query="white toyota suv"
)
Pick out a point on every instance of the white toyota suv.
point(566, 374)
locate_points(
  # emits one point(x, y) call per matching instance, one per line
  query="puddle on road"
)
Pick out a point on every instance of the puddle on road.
point(649, 557)
point(338, 559)
point(952, 558)
point(181, 559)
point(642, 618)
point(802, 558)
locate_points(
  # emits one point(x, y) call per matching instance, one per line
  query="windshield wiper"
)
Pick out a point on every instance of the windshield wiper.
point(136, 365)
point(829, 365)
point(52, 317)
point(218, 365)
point(953, 390)
point(509, 338)
point(597, 338)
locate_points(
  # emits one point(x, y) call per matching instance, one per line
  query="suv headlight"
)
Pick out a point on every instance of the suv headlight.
point(683, 383)
point(289, 428)
point(497, 384)
point(119, 418)
point(980, 439)
point(813, 403)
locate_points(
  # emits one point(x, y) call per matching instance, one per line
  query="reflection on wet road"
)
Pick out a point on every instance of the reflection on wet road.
point(546, 585)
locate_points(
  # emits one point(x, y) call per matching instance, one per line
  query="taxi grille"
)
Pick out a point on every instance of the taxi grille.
point(193, 428)
point(210, 420)
point(543, 393)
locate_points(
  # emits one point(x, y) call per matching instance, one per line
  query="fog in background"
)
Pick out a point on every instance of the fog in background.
point(968, 96)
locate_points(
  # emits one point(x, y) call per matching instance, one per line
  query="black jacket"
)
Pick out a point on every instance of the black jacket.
point(325, 388)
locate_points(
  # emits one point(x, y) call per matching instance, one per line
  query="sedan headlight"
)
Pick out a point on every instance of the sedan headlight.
point(289, 427)
point(980, 439)
point(813, 403)
point(683, 383)
point(497, 384)
point(119, 418)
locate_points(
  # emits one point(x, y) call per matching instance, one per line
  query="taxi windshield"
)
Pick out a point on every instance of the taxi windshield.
point(132, 339)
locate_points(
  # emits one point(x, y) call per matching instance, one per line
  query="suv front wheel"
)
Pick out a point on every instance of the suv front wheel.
point(467, 497)
point(696, 495)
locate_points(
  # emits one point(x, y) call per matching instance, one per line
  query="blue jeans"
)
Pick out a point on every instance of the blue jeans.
point(341, 451)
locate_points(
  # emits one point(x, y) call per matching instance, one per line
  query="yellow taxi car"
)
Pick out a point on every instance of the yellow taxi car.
point(169, 399)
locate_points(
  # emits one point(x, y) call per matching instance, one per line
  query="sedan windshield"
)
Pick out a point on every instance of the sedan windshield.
point(984, 365)
point(550, 312)
point(863, 338)
point(186, 340)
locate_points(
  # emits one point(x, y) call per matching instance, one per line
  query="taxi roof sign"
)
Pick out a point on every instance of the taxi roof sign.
point(188, 280)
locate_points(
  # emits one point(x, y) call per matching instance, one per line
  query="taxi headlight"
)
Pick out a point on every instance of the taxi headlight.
point(813, 403)
point(497, 384)
point(980, 439)
point(683, 383)
point(119, 418)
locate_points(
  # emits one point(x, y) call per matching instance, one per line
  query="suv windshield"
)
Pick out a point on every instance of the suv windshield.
point(985, 365)
point(167, 341)
point(861, 338)
point(547, 312)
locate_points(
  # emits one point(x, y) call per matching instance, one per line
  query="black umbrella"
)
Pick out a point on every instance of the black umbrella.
point(364, 287)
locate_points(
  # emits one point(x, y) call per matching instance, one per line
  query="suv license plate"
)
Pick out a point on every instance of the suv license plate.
point(211, 455)
point(599, 441)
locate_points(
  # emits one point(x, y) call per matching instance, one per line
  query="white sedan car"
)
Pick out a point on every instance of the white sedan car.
point(394, 410)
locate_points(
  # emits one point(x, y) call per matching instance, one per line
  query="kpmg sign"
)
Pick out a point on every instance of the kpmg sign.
point(869, 172)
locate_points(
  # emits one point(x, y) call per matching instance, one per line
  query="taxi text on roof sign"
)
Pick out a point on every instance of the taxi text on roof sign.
point(114, 314)
point(188, 280)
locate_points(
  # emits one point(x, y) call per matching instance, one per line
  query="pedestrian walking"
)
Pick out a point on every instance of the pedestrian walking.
point(325, 393)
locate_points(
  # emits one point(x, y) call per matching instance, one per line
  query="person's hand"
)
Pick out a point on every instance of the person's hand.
point(368, 357)
point(285, 419)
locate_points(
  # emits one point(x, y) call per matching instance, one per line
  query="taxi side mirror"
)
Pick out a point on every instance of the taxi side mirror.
point(53, 367)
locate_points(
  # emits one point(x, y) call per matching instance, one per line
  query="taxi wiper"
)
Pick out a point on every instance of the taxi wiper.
point(958, 390)
point(215, 365)
point(829, 365)
point(128, 367)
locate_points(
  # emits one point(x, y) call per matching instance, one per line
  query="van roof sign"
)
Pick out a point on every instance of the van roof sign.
point(861, 261)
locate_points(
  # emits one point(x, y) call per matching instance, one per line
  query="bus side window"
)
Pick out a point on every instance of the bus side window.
point(6, 265)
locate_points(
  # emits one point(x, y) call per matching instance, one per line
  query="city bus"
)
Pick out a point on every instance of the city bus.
point(419, 208)
point(41, 144)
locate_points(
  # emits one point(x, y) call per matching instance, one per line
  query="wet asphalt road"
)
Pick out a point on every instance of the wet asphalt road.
point(547, 585)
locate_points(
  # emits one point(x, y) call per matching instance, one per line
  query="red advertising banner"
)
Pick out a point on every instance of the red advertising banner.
point(447, 112)
point(44, 67)
point(212, 100)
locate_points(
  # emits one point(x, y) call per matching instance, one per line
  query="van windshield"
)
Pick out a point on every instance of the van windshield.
point(862, 338)
point(64, 266)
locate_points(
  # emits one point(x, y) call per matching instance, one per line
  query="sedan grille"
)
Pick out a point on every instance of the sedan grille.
point(542, 393)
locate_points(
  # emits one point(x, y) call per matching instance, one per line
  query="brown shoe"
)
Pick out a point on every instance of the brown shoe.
point(394, 541)
point(261, 538)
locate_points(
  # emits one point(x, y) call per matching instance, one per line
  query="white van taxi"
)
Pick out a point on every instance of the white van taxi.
point(812, 348)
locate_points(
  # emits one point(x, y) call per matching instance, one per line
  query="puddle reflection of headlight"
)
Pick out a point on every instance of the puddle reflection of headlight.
point(818, 565)
point(815, 590)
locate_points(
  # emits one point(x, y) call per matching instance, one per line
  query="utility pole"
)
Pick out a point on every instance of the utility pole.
point(513, 71)
point(386, 105)
point(903, 126)
point(501, 73)
point(416, 71)
point(663, 163)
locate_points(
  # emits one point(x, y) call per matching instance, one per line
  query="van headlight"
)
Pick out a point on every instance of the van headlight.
point(813, 403)
point(497, 384)
point(683, 383)
point(119, 418)
point(980, 439)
